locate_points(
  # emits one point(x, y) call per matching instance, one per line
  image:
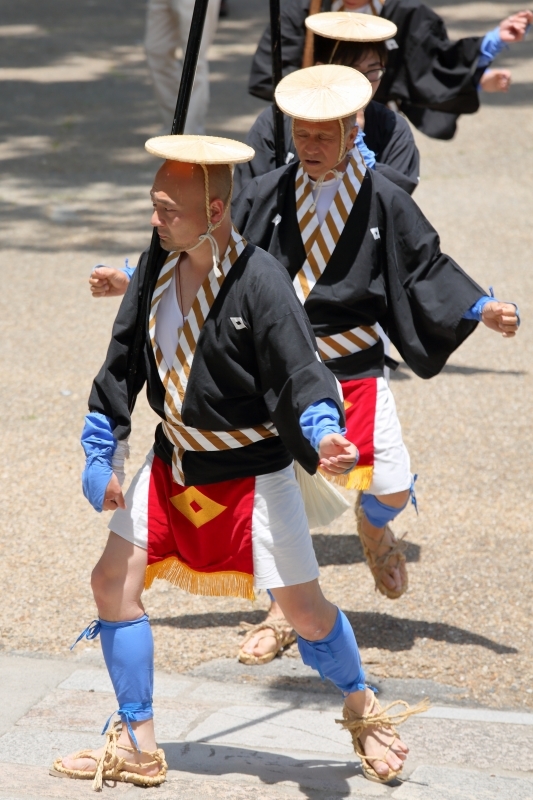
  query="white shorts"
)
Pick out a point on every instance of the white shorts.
point(392, 466)
point(282, 547)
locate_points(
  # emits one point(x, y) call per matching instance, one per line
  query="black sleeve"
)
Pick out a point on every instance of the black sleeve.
point(293, 14)
point(292, 374)
point(428, 293)
point(254, 210)
point(400, 160)
point(109, 393)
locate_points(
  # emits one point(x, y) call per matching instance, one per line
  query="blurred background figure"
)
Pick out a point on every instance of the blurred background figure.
point(167, 29)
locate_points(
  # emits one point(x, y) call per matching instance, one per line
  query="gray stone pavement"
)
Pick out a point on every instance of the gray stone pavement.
point(229, 732)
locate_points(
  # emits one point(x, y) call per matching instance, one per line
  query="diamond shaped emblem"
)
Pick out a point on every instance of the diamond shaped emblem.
point(196, 507)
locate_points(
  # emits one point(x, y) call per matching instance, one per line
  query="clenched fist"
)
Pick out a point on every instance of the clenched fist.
point(337, 455)
point(501, 317)
point(108, 282)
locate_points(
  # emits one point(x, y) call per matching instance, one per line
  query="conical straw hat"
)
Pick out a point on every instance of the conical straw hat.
point(319, 94)
point(351, 27)
point(199, 149)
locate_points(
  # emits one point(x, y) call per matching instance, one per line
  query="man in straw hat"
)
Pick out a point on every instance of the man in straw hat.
point(360, 252)
point(232, 370)
point(432, 79)
point(358, 41)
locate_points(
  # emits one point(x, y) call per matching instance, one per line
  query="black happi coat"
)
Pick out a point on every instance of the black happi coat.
point(432, 79)
point(268, 370)
point(387, 267)
point(386, 133)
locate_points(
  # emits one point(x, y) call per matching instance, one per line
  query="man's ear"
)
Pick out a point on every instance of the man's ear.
point(217, 210)
point(352, 136)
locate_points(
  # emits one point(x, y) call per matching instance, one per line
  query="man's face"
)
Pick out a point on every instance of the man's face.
point(179, 205)
point(318, 145)
point(372, 68)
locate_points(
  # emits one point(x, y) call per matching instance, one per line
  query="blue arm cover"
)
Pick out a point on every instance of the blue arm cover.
point(369, 157)
point(490, 47)
point(476, 311)
point(319, 419)
point(127, 269)
point(99, 444)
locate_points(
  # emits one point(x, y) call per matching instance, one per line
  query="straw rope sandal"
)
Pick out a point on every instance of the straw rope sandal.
point(380, 564)
point(278, 628)
point(378, 718)
point(111, 767)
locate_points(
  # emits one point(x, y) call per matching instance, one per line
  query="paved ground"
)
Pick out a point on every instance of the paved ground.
point(74, 191)
point(253, 742)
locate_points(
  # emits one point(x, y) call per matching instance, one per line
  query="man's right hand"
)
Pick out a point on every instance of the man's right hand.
point(108, 282)
point(513, 28)
point(113, 497)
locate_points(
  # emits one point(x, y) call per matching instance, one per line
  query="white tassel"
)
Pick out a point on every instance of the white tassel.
point(323, 502)
point(120, 455)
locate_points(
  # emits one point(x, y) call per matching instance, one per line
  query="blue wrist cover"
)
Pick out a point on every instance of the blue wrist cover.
point(476, 311)
point(490, 47)
point(99, 445)
point(319, 419)
point(127, 269)
point(369, 157)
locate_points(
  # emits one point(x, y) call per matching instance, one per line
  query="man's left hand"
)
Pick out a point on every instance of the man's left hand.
point(500, 317)
point(513, 29)
point(337, 455)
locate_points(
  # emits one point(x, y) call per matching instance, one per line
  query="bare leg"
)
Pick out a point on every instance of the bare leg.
point(117, 583)
point(379, 541)
point(313, 618)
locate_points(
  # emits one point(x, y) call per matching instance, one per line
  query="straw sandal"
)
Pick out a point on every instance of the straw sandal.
point(380, 564)
point(277, 627)
point(110, 767)
point(378, 718)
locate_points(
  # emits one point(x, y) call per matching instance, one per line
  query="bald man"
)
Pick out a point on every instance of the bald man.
point(231, 367)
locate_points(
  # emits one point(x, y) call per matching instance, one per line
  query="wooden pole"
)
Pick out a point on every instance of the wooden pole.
point(308, 59)
point(178, 125)
point(275, 38)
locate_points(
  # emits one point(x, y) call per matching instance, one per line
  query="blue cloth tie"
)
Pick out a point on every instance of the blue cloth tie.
point(131, 712)
point(90, 632)
point(127, 269)
point(369, 157)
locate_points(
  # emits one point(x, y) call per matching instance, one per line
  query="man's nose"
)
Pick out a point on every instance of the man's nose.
point(155, 221)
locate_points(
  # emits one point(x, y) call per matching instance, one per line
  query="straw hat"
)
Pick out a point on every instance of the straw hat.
point(199, 149)
point(351, 27)
point(326, 92)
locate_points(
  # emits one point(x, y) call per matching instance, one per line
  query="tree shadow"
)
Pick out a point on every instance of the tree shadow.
point(336, 549)
point(372, 629)
point(312, 775)
point(404, 373)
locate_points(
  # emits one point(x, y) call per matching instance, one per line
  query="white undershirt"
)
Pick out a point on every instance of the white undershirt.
point(169, 321)
point(337, 5)
point(325, 198)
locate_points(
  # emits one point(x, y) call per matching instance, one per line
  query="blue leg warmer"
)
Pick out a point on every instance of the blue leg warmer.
point(128, 649)
point(336, 657)
point(377, 513)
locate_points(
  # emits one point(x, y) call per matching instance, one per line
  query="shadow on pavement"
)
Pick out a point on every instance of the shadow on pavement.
point(311, 775)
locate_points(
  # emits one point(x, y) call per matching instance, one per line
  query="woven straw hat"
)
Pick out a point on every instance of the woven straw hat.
point(351, 27)
point(199, 149)
point(326, 92)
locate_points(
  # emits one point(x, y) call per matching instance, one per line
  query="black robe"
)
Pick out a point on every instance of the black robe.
point(387, 267)
point(432, 79)
point(386, 133)
point(268, 370)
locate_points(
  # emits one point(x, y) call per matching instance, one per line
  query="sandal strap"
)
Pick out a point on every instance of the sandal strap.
point(383, 719)
point(279, 627)
point(109, 758)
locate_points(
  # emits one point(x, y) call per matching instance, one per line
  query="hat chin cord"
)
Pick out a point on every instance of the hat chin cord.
point(208, 235)
point(336, 173)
